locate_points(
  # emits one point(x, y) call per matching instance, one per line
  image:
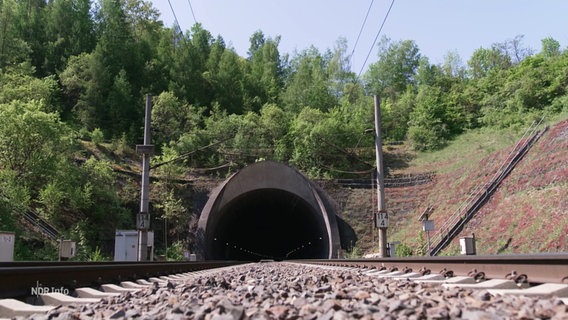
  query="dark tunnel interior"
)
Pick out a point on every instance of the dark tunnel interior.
point(269, 224)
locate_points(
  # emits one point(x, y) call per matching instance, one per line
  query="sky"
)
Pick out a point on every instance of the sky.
point(436, 26)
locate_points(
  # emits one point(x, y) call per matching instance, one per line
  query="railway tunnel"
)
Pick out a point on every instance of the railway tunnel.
point(268, 210)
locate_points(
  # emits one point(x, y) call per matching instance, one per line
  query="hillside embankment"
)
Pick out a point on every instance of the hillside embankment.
point(528, 213)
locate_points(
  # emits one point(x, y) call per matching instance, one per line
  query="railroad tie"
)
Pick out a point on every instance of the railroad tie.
point(10, 308)
point(457, 279)
point(389, 274)
point(376, 272)
point(134, 285)
point(60, 299)
point(543, 290)
point(157, 280)
point(117, 289)
point(409, 275)
point(489, 284)
point(92, 293)
point(429, 278)
point(174, 277)
point(145, 282)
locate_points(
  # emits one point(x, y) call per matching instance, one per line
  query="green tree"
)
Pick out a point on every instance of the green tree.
point(14, 198)
point(228, 83)
point(308, 84)
point(110, 68)
point(19, 83)
point(339, 68)
point(321, 142)
point(263, 77)
point(102, 86)
point(484, 61)
point(101, 209)
point(395, 116)
point(29, 22)
point(305, 146)
point(31, 141)
point(169, 204)
point(453, 66)
point(395, 70)
point(274, 123)
point(550, 47)
point(189, 64)
point(525, 90)
point(13, 48)
point(169, 117)
point(125, 114)
point(69, 31)
point(427, 128)
point(75, 81)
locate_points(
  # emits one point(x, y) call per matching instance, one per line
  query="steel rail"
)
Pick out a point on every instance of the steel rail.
point(18, 279)
point(538, 268)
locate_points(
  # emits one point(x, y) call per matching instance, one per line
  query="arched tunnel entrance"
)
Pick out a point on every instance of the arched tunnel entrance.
point(268, 211)
point(269, 223)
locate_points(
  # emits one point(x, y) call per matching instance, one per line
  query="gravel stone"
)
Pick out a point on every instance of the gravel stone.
point(288, 291)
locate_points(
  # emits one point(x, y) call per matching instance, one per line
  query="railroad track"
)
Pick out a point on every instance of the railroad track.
point(532, 269)
point(17, 279)
point(284, 286)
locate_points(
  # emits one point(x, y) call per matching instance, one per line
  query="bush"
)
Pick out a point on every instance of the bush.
point(96, 256)
point(402, 250)
point(355, 253)
point(97, 136)
point(121, 146)
point(175, 251)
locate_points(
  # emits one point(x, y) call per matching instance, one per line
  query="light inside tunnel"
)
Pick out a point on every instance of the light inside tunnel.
point(269, 224)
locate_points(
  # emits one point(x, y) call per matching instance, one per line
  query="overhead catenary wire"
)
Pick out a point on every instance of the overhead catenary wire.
point(174, 13)
point(175, 16)
point(362, 27)
point(192, 13)
point(376, 37)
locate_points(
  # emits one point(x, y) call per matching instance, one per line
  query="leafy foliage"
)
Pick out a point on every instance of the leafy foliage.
point(31, 141)
point(396, 68)
point(403, 250)
point(175, 252)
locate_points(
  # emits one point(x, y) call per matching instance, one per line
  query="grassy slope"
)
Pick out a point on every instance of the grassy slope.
point(528, 213)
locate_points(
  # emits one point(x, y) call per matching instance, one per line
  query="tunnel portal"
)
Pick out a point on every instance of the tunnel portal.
point(267, 211)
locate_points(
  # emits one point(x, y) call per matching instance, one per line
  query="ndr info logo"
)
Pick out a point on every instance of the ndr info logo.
point(41, 289)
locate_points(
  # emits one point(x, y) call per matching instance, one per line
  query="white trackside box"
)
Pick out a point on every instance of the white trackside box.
point(7, 240)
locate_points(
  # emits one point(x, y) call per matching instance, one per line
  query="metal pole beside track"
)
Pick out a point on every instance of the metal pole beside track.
point(143, 218)
point(382, 218)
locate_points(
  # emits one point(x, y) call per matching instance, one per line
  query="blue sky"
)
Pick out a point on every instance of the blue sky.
point(437, 26)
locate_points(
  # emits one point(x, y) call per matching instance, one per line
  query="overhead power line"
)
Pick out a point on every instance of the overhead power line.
point(376, 37)
point(362, 26)
point(174, 13)
point(175, 16)
point(191, 8)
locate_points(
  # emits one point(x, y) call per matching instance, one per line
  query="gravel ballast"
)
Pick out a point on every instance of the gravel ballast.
point(291, 291)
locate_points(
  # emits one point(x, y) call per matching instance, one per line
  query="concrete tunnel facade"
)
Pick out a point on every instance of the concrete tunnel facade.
point(268, 210)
